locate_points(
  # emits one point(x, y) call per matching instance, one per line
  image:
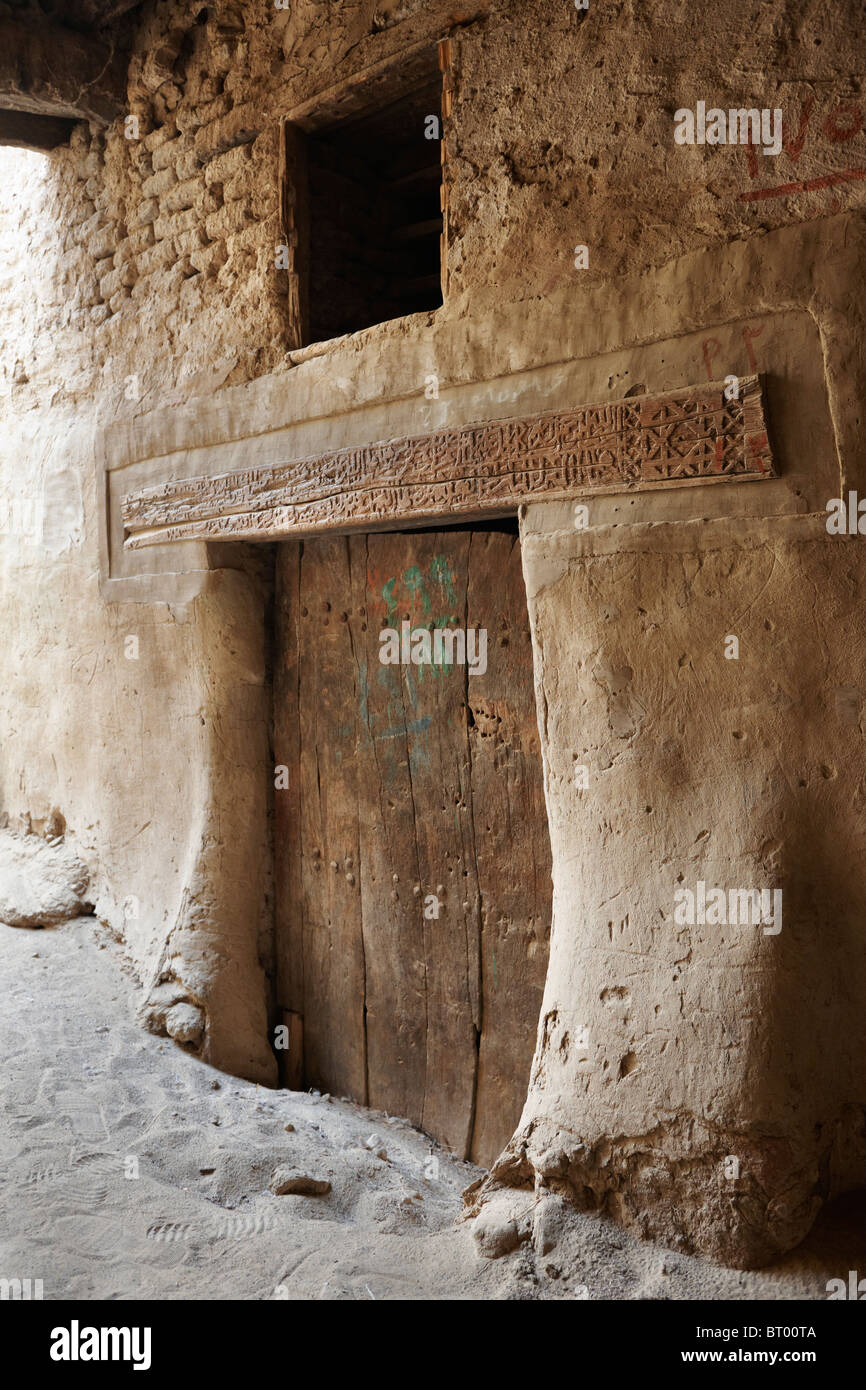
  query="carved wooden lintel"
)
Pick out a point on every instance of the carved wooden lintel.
point(472, 471)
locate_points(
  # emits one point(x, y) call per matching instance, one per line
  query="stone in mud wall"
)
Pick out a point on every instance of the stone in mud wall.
point(42, 883)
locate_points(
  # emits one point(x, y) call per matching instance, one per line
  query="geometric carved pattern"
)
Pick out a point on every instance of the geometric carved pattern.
point(471, 471)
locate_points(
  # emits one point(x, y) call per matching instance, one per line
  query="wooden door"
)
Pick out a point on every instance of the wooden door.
point(412, 852)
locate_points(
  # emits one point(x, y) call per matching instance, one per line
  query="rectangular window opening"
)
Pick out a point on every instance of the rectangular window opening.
point(363, 205)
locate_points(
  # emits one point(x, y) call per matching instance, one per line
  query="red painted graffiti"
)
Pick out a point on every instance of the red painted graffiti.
point(842, 124)
point(711, 347)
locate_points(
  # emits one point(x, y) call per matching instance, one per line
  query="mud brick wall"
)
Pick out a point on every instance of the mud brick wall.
point(175, 227)
point(167, 241)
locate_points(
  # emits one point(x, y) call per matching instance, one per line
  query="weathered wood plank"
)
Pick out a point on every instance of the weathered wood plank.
point(416, 843)
point(512, 843)
point(329, 911)
point(445, 185)
point(393, 935)
point(472, 471)
point(288, 847)
point(294, 201)
point(372, 85)
point(291, 1058)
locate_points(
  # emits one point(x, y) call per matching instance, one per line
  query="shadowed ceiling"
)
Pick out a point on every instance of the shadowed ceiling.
point(61, 61)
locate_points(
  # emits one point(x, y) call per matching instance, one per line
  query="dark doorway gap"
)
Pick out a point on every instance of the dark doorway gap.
point(506, 525)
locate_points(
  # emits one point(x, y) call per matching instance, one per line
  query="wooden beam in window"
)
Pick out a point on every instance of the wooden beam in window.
point(377, 84)
point(295, 229)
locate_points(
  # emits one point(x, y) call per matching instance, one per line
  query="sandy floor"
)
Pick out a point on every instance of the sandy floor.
point(89, 1100)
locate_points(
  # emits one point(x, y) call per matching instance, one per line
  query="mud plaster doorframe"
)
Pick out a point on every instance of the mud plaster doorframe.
point(476, 471)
